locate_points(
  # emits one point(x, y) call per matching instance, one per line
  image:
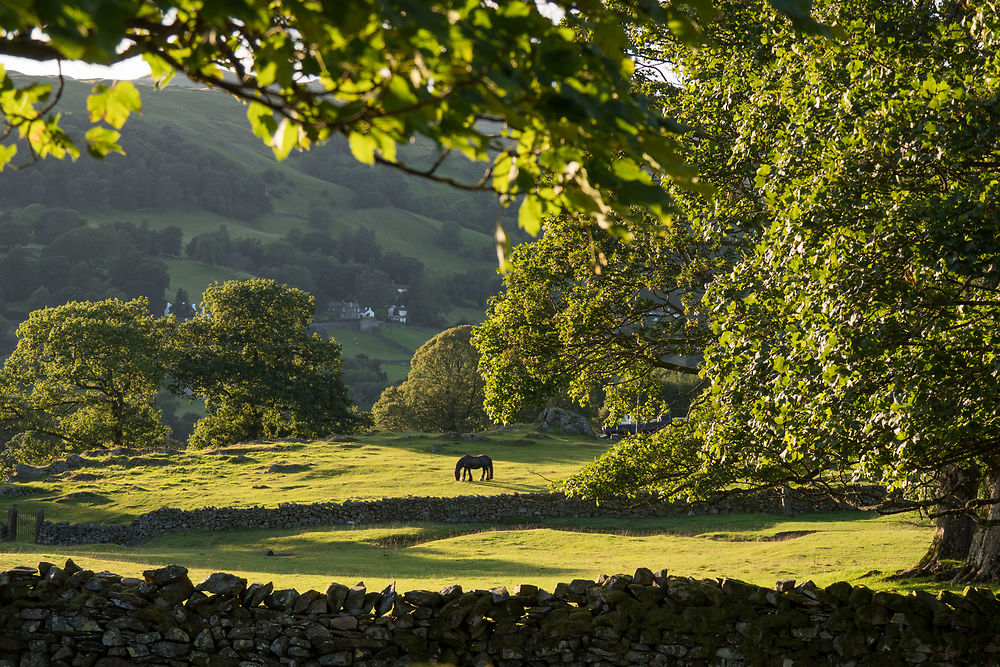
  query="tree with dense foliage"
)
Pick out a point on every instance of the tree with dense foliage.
point(442, 392)
point(853, 341)
point(560, 327)
point(84, 375)
point(263, 375)
point(548, 110)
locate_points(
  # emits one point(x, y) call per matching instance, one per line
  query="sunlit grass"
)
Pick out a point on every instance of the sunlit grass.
point(754, 547)
point(841, 546)
point(370, 467)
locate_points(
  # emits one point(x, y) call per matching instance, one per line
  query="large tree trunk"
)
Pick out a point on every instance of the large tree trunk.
point(954, 532)
point(983, 560)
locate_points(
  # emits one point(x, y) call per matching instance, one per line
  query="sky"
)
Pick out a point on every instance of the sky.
point(133, 68)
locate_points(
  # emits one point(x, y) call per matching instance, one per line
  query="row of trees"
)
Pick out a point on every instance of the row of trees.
point(163, 170)
point(85, 374)
point(351, 266)
point(82, 262)
point(385, 187)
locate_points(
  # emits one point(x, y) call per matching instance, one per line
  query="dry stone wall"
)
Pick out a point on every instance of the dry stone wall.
point(67, 616)
point(461, 509)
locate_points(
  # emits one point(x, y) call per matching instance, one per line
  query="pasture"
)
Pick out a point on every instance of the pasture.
point(757, 548)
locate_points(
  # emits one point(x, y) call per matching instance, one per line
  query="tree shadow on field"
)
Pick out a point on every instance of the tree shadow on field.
point(495, 484)
point(308, 553)
point(723, 527)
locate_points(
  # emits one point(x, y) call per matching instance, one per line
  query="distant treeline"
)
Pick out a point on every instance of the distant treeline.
point(477, 211)
point(352, 266)
point(162, 170)
point(52, 256)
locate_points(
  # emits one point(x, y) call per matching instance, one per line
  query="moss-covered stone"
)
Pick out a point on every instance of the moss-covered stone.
point(852, 644)
point(617, 620)
point(869, 614)
point(860, 595)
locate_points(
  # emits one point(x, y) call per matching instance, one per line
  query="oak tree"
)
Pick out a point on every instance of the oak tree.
point(853, 340)
point(561, 327)
point(84, 375)
point(443, 390)
point(263, 374)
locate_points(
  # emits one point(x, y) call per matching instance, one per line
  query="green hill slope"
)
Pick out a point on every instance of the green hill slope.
point(197, 198)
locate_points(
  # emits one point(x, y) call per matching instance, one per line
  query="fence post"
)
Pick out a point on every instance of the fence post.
point(39, 519)
point(11, 524)
point(786, 500)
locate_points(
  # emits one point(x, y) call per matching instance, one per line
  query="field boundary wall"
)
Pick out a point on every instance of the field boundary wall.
point(517, 508)
point(58, 616)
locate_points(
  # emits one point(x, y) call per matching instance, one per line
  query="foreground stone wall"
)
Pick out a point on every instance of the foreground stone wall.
point(68, 616)
point(461, 509)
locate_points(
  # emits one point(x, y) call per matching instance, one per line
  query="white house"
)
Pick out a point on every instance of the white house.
point(398, 314)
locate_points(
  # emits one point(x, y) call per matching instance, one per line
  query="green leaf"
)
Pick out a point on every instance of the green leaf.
point(362, 147)
point(398, 94)
point(161, 71)
point(261, 121)
point(113, 105)
point(7, 153)
point(762, 173)
point(101, 141)
point(529, 216)
point(285, 138)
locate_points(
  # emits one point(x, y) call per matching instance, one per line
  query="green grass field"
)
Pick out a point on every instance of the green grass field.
point(840, 546)
point(756, 548)
point(375, 466)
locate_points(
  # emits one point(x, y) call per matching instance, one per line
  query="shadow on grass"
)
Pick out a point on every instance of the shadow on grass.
point(304, 554)
point(81, 498)
point(498, 484)
point(716, 526)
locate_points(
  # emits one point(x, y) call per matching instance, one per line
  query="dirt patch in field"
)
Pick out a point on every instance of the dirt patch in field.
point(82, 497)
point(236, 450)
point(787, 535)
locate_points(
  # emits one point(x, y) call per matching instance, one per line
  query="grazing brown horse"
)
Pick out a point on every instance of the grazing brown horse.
point(467, 463)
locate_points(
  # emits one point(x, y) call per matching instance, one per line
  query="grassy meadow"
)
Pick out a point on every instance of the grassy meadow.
point(758, 548)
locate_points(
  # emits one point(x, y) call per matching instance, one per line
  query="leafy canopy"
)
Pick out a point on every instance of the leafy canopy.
point(548, 108)
point(84, 375)
point(443, 390)
point(262, 373)
point(560, 327)
point(855, 334)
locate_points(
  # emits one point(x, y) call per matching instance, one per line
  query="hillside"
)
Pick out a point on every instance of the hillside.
point(197, 198)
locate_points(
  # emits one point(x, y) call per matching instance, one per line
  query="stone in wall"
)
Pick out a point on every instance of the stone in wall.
point(460, 509)
point(66, 615)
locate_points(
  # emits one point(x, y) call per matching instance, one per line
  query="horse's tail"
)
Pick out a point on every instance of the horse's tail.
point(490, 467)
